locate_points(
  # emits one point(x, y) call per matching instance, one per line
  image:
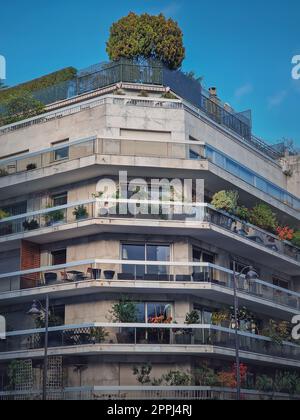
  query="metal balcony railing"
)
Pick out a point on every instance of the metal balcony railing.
point(145, 393)
point(147, 335)
point(126, 272)
point(165, 211)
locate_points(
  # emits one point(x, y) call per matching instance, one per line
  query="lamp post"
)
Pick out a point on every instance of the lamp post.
point(250, 276)
point(37, 311)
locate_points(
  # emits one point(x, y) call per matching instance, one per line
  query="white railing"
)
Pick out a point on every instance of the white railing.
point(145, 393)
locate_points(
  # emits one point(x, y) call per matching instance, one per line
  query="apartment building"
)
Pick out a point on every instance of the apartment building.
point(59, 239)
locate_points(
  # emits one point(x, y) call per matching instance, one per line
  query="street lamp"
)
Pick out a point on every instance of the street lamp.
point(251, 275)
point(38, 311)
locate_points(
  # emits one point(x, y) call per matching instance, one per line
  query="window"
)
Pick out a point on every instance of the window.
point(145, 252)
point(194, 155)
point(61, 153)
point(149, 311)
point(241, 266)
point(59, 257)
point(284, 284)
point(16, 209)
point(202, 256)
point(60, 199)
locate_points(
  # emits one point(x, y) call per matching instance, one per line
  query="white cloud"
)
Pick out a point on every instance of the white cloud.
point(243, 91)
point(277, 99)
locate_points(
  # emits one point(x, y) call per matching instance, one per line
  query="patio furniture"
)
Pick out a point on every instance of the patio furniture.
point(77, 275)
point(94, 273)
point(50, 278)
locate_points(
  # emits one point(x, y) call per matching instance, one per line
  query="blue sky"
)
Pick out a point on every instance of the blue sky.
point(245, 48)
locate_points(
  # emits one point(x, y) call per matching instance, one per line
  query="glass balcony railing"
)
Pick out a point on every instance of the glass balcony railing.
point(97, 146)
point(191, 150)
point(147, 335)
point(171, 274)
point(146, 210)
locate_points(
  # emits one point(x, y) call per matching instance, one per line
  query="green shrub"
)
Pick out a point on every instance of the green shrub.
point(262, 216)
point(20, 106)
point(4, 214)
point(296, 239)
point(243, 213)
point(125, 311)
point(39, 84)
point(225, 200)
point(264, 383)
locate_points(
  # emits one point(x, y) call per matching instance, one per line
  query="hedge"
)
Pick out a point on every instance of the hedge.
point(41, 83)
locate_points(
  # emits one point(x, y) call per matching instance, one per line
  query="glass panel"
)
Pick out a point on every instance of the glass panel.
point(158, 310)
point(133, 253)
point(60, 199)
point(61, 154)
point(158, 253)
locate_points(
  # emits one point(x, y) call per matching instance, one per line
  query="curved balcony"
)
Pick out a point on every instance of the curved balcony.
point(178, 218)
point(200, 279)
point(177, 339)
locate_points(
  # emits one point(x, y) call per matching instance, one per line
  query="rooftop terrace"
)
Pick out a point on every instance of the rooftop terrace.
point(153, 73)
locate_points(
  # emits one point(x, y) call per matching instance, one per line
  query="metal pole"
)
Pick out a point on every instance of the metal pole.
point(237, 337)
point(45, 371)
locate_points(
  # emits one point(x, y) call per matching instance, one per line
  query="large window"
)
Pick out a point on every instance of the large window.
point(59, 257)
point(149, 312)
point(249, 176)
point(145, 252)
point(61, 153)
point(16, 209)
point(60, 199)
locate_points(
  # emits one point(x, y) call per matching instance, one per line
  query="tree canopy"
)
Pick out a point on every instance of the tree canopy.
point(147, 36)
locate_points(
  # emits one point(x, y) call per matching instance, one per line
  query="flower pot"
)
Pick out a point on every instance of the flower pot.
point(109, 275)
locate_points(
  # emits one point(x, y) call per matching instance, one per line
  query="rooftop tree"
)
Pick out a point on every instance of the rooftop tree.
point(149, 37)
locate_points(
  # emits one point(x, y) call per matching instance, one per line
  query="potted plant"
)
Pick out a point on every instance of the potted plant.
point(226, 200)
point(98, 335)
point(124, 312)
point(31, 225)
point(4, 214)
point(186, 336)
point(262, 216)
point(81, 212)
point(285, 233)
point(54, 217)
point(296, 239)
point(221, 318)
point(109, 274)
point(31, 167)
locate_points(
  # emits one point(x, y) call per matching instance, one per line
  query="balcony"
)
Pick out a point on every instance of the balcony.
point(190, 219)
point(146, 393)
point(199, 279)
point(152, 73)
point(33, 168)
point(95, 338)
